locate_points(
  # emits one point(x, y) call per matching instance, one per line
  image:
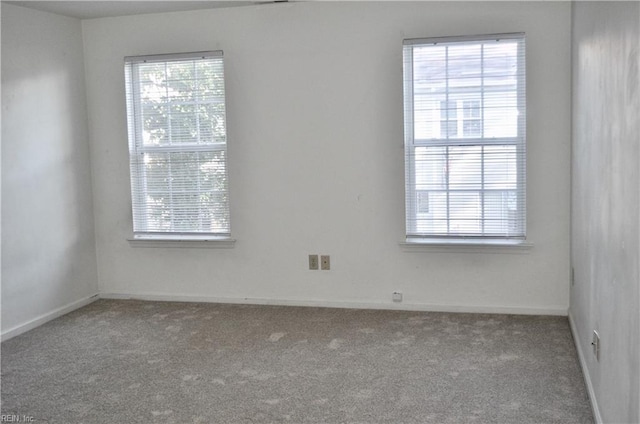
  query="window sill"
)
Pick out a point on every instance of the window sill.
point(467, 246)
point(191, 242)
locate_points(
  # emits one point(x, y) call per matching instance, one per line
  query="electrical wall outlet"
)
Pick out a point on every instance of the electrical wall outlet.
point(396, 297)
point(325, 262)
point(595, 344)
point(313, 262)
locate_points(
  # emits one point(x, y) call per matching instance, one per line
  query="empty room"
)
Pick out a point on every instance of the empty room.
point(320, 212)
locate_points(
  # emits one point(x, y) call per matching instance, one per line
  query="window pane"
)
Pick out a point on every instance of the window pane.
point(435, 220)
point(182, 102)
point(500, 167)
point(186, 192)
point(501, 59)
point(448, 110)
point(472, 128)
point(426, 118)
point(465, 167)
point(422, 201)
point(448, 129)
point(464, 66)
point(155, 123)
point(181, 81)
point(429, 67)
point(183, 123)
point(465, 213)
point(212, 123)
point(430, 168)
point(210, 82)
point(501, 114)
point(152, 82)
point(471, 109)
point(500, 212)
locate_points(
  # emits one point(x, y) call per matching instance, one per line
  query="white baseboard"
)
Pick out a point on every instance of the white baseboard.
point(559, 311)
point(585, 371)
point(38, 321)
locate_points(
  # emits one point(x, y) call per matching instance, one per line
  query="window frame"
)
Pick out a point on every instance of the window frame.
point(137, 149)
point(412, 193)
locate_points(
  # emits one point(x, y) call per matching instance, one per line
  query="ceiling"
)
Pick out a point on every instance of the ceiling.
point(90, 9)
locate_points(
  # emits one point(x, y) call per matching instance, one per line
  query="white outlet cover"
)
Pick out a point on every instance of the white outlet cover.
point(596, 345)
point(396, 296)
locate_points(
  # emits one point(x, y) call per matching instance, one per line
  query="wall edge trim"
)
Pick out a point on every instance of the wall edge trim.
point(585, 371)
point(49, 316)
point(509, 310)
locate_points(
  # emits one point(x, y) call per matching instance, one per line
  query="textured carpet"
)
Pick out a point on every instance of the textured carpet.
point(160, 362)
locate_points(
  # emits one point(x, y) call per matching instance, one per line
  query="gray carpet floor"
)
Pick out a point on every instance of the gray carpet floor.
point(160, 362)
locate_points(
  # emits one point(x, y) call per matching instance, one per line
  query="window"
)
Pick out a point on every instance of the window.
point(471, 123)
point(448, 119)
point(464, 105)
point(178, 145)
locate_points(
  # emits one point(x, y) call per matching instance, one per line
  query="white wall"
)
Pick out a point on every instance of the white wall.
point(314, 103)
point(48, 245)
point(606, 203)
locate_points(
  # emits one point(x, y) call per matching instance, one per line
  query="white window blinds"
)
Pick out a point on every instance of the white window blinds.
point(465, 156)
point(178, 145)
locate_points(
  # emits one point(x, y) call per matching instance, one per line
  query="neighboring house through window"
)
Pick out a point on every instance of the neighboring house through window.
point(178, 145)
point(464, 103)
